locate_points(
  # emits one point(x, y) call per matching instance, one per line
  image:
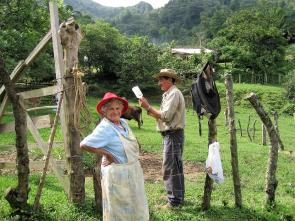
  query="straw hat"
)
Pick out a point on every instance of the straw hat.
point(109, 96)
point(168, 73)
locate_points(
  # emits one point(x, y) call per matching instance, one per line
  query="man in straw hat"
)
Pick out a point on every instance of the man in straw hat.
point(170, 123)
point(122, 181)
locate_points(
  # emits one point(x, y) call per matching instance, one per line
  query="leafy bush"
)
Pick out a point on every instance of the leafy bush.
point(290, 87)
point(271, 97)
point(288, 109)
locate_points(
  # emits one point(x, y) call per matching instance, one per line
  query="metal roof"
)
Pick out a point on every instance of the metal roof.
point(189, 51)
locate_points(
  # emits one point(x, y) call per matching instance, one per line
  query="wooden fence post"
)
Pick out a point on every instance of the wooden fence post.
point(254, 130)
point(208, 181)
point(97, 183)
point(240, 126)
point(226, 117)
point(17, 197)
point(263, 134)
point(271, 181)
point(233, 140)
point(248, 128)
point(276, 119)
point(70, 131)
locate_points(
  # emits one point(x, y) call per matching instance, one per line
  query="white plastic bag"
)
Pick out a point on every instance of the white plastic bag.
point(213, 163)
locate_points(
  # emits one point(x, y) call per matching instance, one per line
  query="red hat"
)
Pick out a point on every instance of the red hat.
point(107, 97)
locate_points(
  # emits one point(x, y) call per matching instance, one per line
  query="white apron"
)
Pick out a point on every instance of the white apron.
point(123, 193)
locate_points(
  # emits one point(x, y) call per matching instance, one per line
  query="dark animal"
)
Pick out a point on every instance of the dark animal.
point(135, 113)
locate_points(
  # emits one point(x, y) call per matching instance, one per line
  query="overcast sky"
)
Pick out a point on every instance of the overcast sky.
point(125, 3)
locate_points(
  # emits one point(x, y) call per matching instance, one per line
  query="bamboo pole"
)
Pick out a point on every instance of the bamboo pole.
point(46, 164)
point(233, 140)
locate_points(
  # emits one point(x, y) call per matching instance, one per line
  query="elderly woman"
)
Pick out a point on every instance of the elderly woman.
point(122, 177)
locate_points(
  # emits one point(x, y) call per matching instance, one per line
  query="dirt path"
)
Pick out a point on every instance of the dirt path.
point(152, 167)
point(151, 163)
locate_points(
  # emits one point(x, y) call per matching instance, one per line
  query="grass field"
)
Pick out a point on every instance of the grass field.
point(253, 159)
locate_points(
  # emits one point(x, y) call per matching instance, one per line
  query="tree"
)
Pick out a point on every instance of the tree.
point(22, 26)
point(213, 19)
point(253, 41)
point(102, 45)
point(138, 64)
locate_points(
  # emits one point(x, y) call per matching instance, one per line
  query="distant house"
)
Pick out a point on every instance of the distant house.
point(184, 52)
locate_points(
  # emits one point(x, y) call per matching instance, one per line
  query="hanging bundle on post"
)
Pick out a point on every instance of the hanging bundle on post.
point(205, 96)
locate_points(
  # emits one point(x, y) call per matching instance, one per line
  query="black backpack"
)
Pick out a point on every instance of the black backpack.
point(205, 96)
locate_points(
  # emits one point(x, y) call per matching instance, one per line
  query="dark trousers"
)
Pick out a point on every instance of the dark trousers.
point(172, 166)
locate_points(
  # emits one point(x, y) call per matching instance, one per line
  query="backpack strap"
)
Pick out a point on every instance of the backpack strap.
point(200, 126)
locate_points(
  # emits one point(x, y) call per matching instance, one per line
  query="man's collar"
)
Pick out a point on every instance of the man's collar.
point(169, 90)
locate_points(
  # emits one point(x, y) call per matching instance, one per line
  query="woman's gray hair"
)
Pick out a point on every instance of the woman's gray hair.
point(106, 105)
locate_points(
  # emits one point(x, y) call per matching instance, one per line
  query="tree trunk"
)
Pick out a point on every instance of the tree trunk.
point(233, 140)
point(263, 135)
point(17, 197)
point(208, 181)
point(271, 181)
point(97, 184)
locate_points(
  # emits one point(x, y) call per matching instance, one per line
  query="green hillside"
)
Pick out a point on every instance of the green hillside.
point(95, 10)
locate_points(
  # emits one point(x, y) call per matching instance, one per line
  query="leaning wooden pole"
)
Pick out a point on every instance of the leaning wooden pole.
point(208, 181)
point(46, 164)
point(233, 140)
point(271, 181)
